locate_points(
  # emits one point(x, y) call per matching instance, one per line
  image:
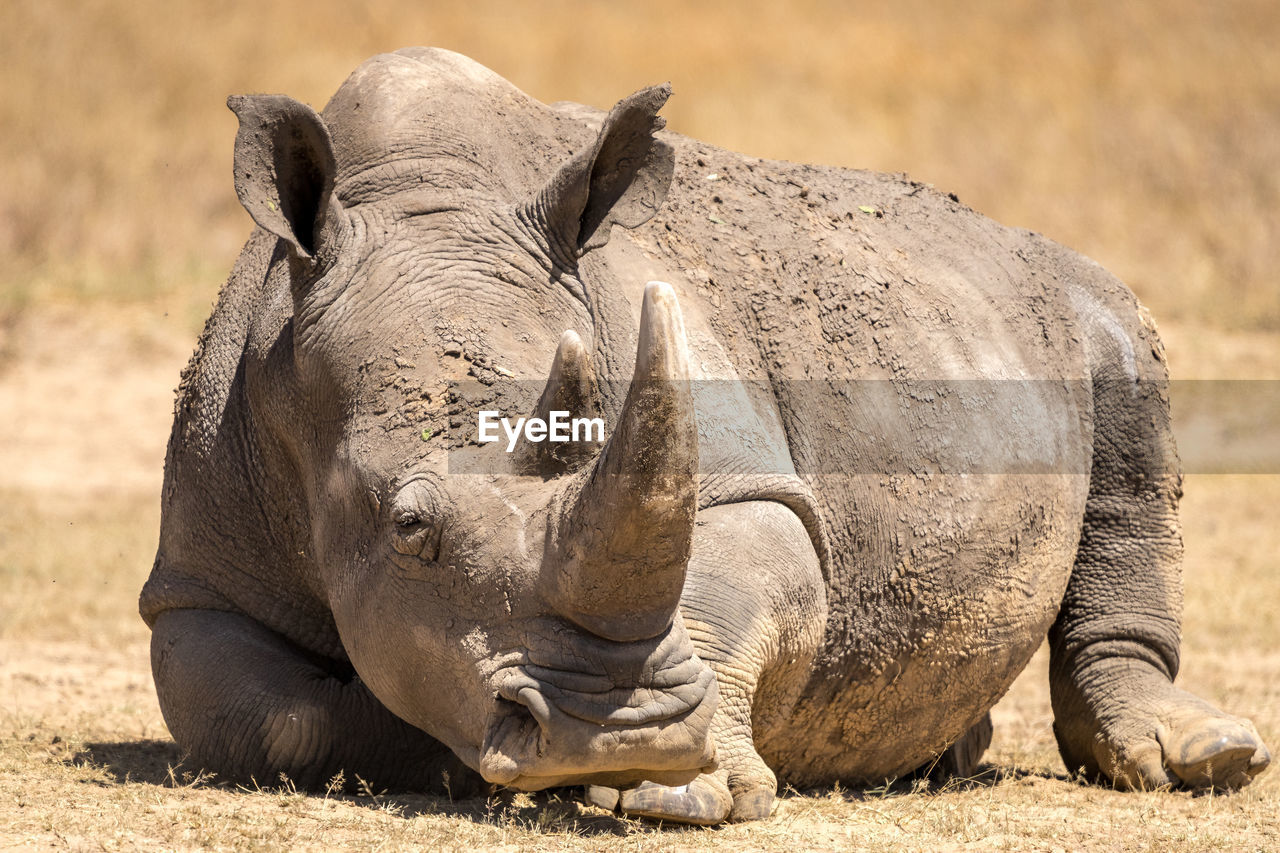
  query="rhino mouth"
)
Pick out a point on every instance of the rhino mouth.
point(555, 726)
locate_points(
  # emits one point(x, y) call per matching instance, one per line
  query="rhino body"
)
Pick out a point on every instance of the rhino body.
point(867, 449)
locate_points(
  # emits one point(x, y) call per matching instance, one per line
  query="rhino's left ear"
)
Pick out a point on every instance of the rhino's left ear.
point(285, 170)
point(621, 178)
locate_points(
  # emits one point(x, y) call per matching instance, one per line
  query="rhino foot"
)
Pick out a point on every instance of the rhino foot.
point(755, 804)
point(704, 802)
point(602, 797)
point(1179, 741)
point(1219, 753)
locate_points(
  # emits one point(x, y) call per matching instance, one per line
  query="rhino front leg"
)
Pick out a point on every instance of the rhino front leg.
point(1114, 649)
point(755, 605)
point(249, 705)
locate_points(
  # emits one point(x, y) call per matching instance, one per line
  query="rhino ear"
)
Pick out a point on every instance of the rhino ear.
point(284, 169)
point(621, 178)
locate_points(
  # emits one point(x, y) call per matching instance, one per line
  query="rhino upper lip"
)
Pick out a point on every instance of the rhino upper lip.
point(550, 694)
point(526, 721)
point(561, 690)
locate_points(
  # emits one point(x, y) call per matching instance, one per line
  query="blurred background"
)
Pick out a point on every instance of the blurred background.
point(1146, 135)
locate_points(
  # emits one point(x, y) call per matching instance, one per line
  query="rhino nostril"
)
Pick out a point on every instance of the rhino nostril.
point(512, 715)
point(537, 705)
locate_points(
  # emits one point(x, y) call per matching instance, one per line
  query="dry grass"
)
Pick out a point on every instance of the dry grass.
point(85, 760)
point(1144, 134)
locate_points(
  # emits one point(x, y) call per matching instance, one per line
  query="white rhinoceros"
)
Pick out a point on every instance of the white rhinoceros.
point(866, 449)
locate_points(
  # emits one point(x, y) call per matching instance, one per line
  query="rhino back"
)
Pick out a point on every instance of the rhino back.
point(931, 381)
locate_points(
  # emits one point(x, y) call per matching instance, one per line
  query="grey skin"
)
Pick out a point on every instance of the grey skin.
point(810, 570)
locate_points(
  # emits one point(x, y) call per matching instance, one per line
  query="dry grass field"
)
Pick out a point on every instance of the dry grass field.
point(1146, 135)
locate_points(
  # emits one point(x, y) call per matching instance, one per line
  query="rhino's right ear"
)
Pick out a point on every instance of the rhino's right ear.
point(285, 170)
point(621, 178)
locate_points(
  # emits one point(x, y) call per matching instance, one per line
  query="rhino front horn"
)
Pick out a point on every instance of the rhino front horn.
point(624, 546)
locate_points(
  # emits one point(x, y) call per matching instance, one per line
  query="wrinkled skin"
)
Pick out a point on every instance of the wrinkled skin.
point(807, 571)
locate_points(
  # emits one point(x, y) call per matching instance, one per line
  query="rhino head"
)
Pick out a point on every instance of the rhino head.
point(528, 616)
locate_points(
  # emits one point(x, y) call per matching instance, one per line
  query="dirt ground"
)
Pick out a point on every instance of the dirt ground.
point(86, 762)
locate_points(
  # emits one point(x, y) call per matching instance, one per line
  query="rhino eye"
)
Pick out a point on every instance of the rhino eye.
point(418, 522)
point(415, 537)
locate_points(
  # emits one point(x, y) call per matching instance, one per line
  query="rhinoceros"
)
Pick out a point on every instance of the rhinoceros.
point(866, 449)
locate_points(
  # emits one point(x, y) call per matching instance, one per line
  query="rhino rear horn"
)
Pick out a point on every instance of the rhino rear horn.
point(624, 546)
point(570, 388)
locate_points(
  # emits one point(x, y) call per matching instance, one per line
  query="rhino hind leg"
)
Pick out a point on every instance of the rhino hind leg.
point(248, 705)
point(962, 758)
point(755, 606)
point(1114, 649)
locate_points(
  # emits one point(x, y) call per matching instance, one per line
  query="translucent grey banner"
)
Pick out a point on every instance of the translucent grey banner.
point(896, 426)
